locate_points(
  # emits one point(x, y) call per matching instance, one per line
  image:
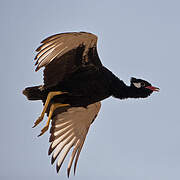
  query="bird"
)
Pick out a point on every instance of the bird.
point(75, 83)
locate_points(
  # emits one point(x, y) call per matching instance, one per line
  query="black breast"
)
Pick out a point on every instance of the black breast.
point(85, 86)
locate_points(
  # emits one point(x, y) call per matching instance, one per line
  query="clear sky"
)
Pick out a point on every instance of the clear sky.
point(130, 139)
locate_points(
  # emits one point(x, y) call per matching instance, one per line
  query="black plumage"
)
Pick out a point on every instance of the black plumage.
point(80, 72)
point(72, 66)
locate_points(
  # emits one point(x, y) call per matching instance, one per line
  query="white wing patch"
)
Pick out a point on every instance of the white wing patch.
point(59, 44)
point(69, 130)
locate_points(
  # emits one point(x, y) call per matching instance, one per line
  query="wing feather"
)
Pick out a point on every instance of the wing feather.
point(78, 153)
point(61, 54)
point(50, 55)
point(64, 153)
point(60, 147)
point(69, 130)
point(56, 142)
point(76, 146)
point(67, 41)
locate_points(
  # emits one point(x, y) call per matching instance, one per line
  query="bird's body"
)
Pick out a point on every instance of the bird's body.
point(90, 84)
point(85, 86)
point(74, 79)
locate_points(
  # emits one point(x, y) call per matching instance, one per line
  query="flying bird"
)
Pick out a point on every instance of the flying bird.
point(75, 83)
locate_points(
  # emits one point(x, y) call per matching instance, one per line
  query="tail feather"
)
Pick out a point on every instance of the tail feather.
point(33, 93)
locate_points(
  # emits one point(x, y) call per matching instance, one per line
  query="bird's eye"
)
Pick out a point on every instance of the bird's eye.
point(142, 84)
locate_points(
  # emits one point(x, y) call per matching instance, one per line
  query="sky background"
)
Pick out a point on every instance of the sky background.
point(134, 139)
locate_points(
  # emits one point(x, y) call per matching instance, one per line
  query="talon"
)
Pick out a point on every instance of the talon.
point(48, 99)
point(52, 109)
point(43, 130)
point(38, 121)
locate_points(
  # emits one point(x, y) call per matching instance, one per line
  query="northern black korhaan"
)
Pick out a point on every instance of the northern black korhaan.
point(75, 81)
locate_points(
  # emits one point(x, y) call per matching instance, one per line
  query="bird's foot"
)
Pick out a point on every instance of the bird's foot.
point(38, 121)
point(49, 97)
point(52, 109)
point(44, 130)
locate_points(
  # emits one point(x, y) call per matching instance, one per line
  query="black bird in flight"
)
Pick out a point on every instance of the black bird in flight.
point(75, 82)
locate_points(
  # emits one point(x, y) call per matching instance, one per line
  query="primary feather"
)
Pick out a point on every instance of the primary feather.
point(69, 130)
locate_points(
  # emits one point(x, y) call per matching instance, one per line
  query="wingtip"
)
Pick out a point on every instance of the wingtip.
point(68, 172)
point(75, 169)
point(57, 168)
point(50, 38)
point(38, 49)
point(36, 63)
point(52, 162)
point(50, 151)
point(37, 68)
point(51, 137)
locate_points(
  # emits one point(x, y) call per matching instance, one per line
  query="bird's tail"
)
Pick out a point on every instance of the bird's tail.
point(33, 93)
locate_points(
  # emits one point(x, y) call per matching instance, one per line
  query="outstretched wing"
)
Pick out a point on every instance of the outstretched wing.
point(62, 54)
point(69, 130)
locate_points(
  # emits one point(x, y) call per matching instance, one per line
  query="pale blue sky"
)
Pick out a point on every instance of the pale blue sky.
point(130, 139)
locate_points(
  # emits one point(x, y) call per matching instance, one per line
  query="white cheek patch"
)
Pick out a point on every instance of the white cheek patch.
point(138, 85)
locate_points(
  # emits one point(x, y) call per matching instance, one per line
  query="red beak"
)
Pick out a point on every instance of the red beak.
point(152, 88)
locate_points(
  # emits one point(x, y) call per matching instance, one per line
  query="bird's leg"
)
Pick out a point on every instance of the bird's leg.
point(49, 97)
point(52, 109)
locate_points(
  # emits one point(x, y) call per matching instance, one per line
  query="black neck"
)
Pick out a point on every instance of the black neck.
point(122, 91)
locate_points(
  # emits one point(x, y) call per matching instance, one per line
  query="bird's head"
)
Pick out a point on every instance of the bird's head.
point(142, 88)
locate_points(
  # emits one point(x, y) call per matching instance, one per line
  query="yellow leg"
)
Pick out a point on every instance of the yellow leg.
point(52, 109)
point(49, 97)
